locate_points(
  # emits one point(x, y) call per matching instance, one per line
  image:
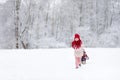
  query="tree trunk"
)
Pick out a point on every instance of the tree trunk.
point(17, 22)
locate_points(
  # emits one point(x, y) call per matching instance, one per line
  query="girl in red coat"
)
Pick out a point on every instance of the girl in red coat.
point(78, 50)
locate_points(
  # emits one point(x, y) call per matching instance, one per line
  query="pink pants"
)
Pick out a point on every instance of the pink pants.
point(77, 61)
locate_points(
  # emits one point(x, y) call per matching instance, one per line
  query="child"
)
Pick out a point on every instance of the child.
point(78, 50)
point(84, 58)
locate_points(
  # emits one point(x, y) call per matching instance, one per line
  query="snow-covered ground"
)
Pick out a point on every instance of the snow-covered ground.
point(58, 64)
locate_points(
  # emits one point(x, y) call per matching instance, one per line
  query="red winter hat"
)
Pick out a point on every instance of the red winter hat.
point(77, 36)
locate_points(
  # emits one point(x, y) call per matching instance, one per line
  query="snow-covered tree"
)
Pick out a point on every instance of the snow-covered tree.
point(53, 23)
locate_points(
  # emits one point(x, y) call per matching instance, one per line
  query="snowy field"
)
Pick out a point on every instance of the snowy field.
point(58, 64)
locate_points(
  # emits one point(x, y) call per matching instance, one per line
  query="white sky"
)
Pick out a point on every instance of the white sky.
point(3, 1)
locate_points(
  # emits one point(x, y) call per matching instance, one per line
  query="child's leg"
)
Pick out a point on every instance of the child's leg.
point(77, 61)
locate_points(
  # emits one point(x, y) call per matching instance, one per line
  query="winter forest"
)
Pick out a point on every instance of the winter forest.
point(33, 24)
